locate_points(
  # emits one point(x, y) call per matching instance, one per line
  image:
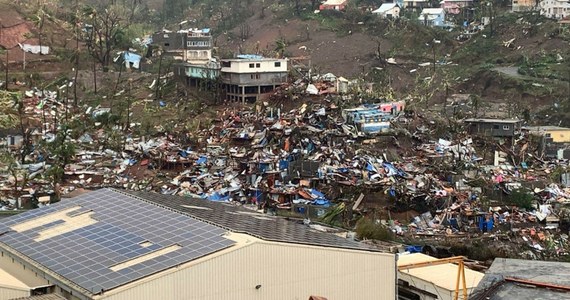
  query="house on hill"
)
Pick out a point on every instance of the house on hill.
point(434, 17)
point(493, 127)
point(388, 10)
point(555, 9)
point(455, 7)
point(333, 5)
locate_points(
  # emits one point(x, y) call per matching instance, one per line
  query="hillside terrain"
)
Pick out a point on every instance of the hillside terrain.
point(537, 56)
point(523, 62)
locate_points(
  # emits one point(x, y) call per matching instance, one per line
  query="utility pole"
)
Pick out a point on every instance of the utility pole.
point(129, 106)
point(95, 75)
point(76, 55)
point(158, 78)
point(433, 52)
point(66, 99)
point(6, 87)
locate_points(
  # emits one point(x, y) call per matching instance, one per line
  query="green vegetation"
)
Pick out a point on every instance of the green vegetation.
point(369, 229)
point(521, 199)
point(544, 65)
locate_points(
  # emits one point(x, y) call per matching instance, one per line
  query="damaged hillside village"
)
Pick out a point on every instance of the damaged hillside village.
point(253, 150)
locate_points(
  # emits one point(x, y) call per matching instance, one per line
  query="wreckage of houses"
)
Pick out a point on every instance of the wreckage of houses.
point(498, 128)
point(372, 118)
point(109, 244)
point(554, 140)
point(248, 77)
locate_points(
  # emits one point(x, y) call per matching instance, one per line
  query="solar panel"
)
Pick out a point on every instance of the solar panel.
point(238, 219)
point(86, 254)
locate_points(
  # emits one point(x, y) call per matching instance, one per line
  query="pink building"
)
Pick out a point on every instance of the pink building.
point(454, 6)
point(392, 107)
point(334, 4)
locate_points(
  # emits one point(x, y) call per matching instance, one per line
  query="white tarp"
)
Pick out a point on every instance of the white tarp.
point(34, 49)
point(312, 89)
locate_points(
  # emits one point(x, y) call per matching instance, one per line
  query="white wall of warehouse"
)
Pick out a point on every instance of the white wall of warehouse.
point(283, 271)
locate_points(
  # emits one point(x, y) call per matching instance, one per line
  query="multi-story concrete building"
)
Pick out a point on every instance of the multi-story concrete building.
point(248, 77)
point(191, 45)
point(555, 9)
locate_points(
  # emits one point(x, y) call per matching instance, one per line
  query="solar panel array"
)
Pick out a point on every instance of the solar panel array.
point(85, 255)
point(241, 220)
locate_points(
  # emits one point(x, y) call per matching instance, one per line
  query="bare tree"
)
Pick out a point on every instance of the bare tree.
point(39, 19)
point(297, 6)
point(103, 34)
point(244, 31)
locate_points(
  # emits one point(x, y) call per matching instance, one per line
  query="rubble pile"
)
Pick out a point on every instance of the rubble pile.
point(309, 161)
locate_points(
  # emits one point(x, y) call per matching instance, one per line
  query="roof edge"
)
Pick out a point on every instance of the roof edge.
point(55, 276)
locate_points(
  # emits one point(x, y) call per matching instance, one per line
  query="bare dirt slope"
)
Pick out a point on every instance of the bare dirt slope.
point(340, 53)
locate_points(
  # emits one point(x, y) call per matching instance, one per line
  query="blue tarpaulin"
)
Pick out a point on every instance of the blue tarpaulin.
point(257, 195)
point(393, 171)
point(414, 249)
point(249, 56)
point(202, 160)
point(322, 202)
point(310, 147)
point(317, 193)
point(283, 165)
point(217, 197)
point(321, 199)
point(263, 167)
point(486, 226)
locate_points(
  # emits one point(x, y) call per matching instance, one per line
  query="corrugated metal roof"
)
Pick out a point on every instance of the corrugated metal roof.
point(494, 287)
point(477, 120)
point(241, 220)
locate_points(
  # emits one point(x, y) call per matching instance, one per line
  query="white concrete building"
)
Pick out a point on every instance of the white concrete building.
point(109, 244)
point(555, 9)
point(247, 77)
point(388, 10)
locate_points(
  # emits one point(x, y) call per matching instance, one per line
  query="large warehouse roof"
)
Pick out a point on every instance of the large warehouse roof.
point(107, 238)
point(241, 220)
point(104, 239)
